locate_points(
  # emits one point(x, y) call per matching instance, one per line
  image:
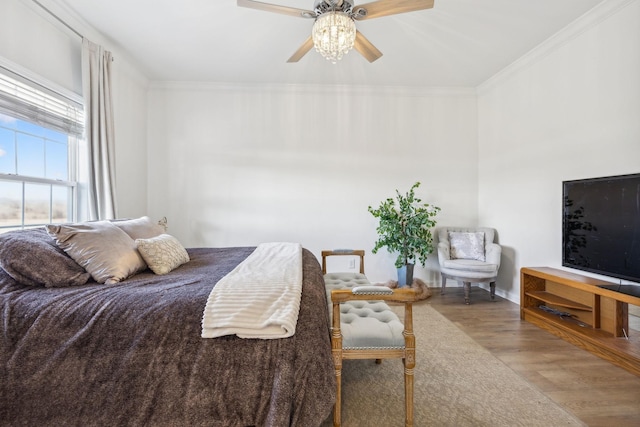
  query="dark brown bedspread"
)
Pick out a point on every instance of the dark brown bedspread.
point(131, 354)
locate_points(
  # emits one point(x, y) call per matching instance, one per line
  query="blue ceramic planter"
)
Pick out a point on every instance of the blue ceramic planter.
point(405, 275)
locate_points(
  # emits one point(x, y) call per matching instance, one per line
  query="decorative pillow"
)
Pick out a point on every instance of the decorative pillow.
point(31, 257)
point(162, 253)
point(103, 249)
point(141, 228)
point(467, 245)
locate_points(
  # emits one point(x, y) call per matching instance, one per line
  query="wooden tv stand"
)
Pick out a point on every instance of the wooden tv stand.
point(597, 320)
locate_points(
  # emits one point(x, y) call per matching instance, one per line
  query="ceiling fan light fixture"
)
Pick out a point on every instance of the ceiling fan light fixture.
point(334, 34)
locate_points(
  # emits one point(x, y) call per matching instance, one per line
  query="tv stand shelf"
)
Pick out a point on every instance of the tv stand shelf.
point(594, 318)
point(553, 299)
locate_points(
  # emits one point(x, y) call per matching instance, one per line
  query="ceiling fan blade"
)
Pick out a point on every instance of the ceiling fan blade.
point(366, 49)
point(380, 8)
point(302, 50)
point(292, 11)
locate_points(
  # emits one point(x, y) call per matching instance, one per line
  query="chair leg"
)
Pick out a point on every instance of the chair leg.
point(409, 362)
point(492, 285)
point(467, 290)
point(337, 416)
point(444, 284)
point(336, 353)
point(408, 394)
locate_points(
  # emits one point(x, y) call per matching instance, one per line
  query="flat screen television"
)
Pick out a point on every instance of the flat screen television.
point(601, 228)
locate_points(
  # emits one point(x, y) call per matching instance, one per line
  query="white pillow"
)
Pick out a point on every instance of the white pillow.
point(140, 228)
point(467, 245)
point(101, 248)
point(162, 253)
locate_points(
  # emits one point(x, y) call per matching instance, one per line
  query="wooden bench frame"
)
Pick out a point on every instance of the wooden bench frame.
point(342, 252)
point(407, 354)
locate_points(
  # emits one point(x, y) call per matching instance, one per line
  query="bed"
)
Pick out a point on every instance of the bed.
point(131, 353)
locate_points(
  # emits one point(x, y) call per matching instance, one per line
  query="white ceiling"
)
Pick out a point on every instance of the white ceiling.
point(458, 43)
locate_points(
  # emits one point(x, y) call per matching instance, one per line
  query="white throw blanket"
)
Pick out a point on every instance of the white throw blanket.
point(260, 298)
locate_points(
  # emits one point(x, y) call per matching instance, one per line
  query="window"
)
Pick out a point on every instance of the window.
point(39, 133)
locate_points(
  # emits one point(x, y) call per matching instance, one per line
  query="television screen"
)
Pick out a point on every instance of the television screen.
point(601, 226)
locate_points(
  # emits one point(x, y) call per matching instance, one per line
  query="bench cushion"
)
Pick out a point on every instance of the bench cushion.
point(364, 324)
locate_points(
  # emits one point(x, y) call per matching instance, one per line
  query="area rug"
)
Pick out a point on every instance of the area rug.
point(457, 383)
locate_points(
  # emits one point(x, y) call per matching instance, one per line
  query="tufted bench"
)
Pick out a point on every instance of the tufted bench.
point(363, 326)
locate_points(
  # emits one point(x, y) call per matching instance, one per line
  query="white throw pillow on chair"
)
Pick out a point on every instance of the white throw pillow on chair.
point(467, 245)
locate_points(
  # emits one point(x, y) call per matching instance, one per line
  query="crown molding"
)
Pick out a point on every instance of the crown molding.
point(589, 20)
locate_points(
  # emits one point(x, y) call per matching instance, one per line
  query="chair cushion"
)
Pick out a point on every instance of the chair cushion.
point(364, 324)
point(370, 324)
point(470, 265)
point(345, 280)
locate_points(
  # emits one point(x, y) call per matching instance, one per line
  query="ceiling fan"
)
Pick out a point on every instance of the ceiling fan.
point(334, 31)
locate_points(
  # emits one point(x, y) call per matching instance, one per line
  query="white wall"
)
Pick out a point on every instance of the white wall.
point(130, 116)
point(569, 110)
point(33, 42)
point(32, 39)
point(239, 165)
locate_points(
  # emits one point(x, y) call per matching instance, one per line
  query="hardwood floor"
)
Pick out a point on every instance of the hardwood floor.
point(594, 390)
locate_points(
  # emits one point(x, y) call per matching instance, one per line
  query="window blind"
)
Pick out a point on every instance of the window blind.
point(45, 108)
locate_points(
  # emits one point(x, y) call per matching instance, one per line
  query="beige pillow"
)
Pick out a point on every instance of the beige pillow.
point(141, 228)
point(104, 250)
point(467, 245)
point(162, 253)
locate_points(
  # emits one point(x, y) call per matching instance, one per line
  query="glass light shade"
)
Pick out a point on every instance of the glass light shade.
point(334, 34)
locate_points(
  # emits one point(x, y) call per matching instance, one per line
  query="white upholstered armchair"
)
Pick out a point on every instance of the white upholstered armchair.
point(468, 255)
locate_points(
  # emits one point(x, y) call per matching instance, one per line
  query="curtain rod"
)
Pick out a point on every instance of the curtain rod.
point(61, 21)
point(58, 19)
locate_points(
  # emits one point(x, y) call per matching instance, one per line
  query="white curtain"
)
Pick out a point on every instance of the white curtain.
point(99, 131)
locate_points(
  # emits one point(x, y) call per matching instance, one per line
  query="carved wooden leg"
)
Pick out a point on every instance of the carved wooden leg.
point(444, 284)
point(467, 290)
point(492, 285)
point(336, 351)
point(409, 363)
point(337, 416)
point(408, 395)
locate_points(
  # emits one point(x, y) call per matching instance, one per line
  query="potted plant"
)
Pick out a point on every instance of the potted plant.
point(404, 227)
